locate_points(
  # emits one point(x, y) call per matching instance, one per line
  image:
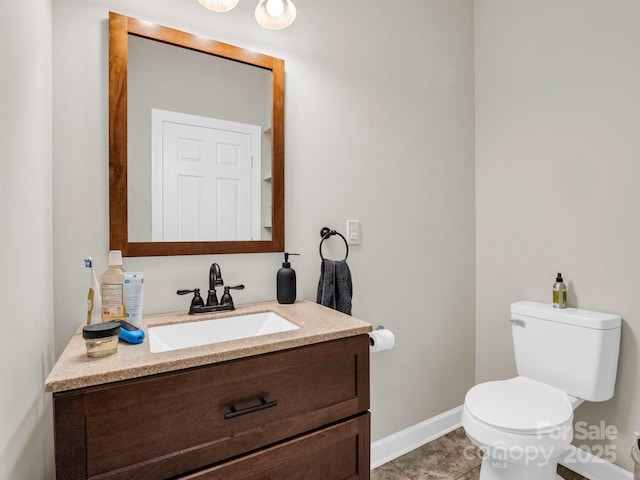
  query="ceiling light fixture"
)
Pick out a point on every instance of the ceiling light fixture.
point(219, 5)
point(271, 14)
point(275, 14)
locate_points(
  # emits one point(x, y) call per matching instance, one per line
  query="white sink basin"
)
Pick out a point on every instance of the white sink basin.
point(205, 332)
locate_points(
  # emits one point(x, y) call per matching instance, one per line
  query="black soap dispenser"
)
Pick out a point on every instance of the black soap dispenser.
point(286, 281)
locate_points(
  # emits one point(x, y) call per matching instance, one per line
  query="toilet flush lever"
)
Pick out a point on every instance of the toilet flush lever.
point(518, 322)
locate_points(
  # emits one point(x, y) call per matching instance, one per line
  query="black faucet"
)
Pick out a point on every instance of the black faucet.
point(215, 280)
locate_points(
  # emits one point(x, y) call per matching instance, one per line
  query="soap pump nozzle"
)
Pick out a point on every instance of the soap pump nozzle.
point(286, 263)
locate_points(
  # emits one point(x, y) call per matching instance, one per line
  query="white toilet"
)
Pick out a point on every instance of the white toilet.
point(563, 357)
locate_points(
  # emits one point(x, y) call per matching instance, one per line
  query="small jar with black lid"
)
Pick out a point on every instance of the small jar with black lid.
point(101, 339)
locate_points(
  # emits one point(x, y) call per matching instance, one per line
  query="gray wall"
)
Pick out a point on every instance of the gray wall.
point(26, 289)
point(379, 127)
point(557, 162)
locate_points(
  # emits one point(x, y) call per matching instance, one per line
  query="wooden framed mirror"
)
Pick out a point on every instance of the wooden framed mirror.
point(160, 201)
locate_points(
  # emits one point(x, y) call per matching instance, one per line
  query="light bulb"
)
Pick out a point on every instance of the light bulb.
point(275, 8)
point(275, 14)
point(219, 5)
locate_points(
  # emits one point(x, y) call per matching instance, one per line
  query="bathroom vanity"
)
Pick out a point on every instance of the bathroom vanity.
point(287, 405)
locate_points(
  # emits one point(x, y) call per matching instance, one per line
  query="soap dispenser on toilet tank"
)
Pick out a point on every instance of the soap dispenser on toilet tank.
point(559, 293)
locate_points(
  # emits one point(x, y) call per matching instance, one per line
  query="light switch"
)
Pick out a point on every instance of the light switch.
point(353, 232)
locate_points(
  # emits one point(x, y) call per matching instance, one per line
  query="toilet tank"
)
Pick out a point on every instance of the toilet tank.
point(572, 349)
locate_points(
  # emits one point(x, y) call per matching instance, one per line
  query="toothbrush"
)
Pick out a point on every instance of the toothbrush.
point(94, 301)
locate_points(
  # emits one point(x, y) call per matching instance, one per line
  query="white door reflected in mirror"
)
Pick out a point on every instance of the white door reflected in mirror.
point(206, 178)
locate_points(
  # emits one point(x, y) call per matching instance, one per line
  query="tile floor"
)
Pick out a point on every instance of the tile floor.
point(451, 457)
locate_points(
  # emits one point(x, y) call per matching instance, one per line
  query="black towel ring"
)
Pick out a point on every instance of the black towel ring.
point(326, 233)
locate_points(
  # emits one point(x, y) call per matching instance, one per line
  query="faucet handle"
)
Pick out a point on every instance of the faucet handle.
point(184, 292)
point(196, 301)
point(226, 298)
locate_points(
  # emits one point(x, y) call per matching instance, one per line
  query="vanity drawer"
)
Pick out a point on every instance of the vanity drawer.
point(339, 452)
point(170, 424)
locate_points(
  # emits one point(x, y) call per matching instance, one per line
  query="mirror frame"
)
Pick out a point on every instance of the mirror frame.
point(120, 26)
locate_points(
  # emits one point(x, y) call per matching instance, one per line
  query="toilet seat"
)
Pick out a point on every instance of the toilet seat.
point(519, 405)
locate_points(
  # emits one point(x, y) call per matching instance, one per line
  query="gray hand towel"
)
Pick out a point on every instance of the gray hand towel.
point(334, 288)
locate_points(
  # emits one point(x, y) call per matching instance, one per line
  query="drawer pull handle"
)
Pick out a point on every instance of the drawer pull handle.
point(263, 403)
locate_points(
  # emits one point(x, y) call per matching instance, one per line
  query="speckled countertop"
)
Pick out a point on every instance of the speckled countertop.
point(317, 324)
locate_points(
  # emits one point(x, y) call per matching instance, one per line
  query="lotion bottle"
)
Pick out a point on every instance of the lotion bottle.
point(559, 293)
point(112, 289)
point(286, 281)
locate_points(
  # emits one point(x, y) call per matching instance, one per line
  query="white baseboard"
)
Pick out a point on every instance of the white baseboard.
point(592, 467)
point(404, 441)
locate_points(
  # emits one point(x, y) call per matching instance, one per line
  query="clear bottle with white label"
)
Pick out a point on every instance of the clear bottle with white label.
point(112, 289)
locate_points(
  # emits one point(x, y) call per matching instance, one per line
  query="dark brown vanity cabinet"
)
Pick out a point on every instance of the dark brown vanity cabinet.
point(300, 413)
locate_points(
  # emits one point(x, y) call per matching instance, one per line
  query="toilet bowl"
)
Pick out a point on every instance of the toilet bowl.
point(523, 425)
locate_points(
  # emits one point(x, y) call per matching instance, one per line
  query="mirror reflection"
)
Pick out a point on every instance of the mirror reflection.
point(199, 148)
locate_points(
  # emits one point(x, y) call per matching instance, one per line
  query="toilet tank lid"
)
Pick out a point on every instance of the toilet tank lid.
point(570, 316)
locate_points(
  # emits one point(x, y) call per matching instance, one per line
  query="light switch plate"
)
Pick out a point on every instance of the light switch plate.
point(353, 232)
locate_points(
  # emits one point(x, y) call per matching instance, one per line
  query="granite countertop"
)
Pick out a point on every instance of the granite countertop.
point(317, 324)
